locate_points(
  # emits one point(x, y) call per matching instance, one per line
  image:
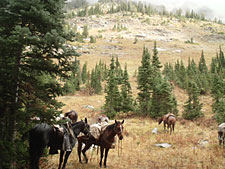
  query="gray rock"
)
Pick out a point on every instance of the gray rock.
point(88, 107)
point(154, 131)
point(163, 145)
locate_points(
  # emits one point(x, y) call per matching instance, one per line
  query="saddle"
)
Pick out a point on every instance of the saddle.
point(168, 115)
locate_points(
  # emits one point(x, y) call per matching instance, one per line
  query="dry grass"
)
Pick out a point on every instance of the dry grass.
point(139, 151)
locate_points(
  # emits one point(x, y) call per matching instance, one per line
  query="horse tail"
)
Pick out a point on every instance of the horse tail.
point(32, 149)
point(173, 126)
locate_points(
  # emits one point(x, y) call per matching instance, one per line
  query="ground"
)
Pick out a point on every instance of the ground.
point(194, 144)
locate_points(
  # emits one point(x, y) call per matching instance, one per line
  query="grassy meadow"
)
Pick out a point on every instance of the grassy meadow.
point(138, 146)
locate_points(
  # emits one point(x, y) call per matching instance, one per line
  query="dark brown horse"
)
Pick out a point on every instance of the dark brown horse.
point(72, 115)
point(169, 120)
point(44, 135)
point(105, 141)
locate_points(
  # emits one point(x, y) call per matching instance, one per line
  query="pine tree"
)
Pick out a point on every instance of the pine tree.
point(85, 31)
point(33, 55)
point(202, 64)
point(96, 80)
point(144, 83)
point(163, 101)
point(192, 108)
point(118, 71)
point(218, 94)
point(112, 99)
point(84, 74)
point(155, 59)
point(126, 93)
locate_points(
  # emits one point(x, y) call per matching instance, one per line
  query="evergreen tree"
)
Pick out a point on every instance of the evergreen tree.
point(118, 71)
point(163, 101)
point(112, 99)
point(85, 31)
point(144, 83)
point(155, 59)
point(96, 80)
point(218, 94)
point(33, 55)
point(202, 64)
point(92, 39)
point(73, 83)
point(192, 108)
point(126, 93)
point(84, 74)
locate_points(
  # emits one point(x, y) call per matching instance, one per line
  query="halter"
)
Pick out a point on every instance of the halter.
point(87, 128)
point(116, 131)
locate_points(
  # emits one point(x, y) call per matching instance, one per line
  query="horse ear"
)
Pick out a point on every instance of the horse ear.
point(122, 121)
point(85, 120)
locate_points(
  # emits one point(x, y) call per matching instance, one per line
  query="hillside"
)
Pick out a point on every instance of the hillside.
point(172, 36)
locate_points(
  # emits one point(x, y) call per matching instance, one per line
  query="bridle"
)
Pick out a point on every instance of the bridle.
point(118, 132)
point(86, 130)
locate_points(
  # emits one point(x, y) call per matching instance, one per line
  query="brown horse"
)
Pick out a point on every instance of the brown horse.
point(105, 141)
point(72, 115)
point(169, 120)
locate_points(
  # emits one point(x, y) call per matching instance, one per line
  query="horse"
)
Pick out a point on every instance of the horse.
point(44, 135)
point(105, 141)
point(169, 120)
point(221, 134)
point(72, 115)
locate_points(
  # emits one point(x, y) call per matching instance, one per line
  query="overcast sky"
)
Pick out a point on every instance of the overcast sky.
point(215, 8)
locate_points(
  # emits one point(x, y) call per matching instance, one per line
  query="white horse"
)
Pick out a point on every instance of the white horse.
point(221, 134)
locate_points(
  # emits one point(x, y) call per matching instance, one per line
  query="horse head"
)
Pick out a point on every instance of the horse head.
point(86, 129)
point(160, 120)
point(118, 128)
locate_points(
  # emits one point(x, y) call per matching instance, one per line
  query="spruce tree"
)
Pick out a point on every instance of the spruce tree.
point(118, 71)
point(144, 83)
point(32, 39)
point(163, 100)
point(155, 59)
point(112, 99)
point(202, 64)
point(218, 94)
point(84, 74)
point(192, 107)
point(85, 31)
point(126, 93)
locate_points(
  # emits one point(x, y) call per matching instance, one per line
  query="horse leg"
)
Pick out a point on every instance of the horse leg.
point(34, 161)
point(38, 156)
point(66, 158)
point(170, 128)
point(61, 158)
point(164, 125)
point(79, 147)
point(102, 151)
point(106, 154)
point(87, 146)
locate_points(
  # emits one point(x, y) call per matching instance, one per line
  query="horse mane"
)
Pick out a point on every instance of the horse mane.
point(74, 125)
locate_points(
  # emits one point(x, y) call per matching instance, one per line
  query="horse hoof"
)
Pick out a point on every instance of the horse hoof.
point(81, 162)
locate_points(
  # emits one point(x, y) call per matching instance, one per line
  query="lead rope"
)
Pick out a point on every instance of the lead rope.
point(120, 147)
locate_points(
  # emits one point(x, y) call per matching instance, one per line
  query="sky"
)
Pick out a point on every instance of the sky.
point(214, 8)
